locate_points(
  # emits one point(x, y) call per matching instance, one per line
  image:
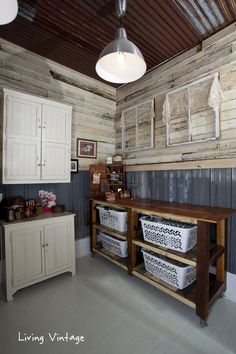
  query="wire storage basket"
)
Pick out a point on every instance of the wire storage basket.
point(112, 244)
point(176, 235)
point(169, 270)
point(114, 218)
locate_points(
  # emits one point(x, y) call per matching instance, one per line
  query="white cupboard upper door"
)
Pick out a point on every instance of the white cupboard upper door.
point(55, 162)
point(56, 123)
point(23, 118)
point(21, 140)
point(27, 255)
point(58, 247)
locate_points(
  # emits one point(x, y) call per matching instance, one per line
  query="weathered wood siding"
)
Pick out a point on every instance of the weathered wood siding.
point(188, 67)
point(93, 102)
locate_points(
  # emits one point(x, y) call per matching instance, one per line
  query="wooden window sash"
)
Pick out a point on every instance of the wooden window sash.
point(217, 113)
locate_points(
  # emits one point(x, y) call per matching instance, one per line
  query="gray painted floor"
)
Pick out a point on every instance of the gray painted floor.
point(115, 313)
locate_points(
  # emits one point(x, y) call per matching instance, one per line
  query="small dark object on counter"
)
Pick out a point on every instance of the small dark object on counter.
point(9, 214)
point(58, 208)
point(15, 208)
point(31, 205)
point(110, 196)
point(38, 208)
point(125, 194)
point(18, 214)
point(15, 201)
point(28, 212)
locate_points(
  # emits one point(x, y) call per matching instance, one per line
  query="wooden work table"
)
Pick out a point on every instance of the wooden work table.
point(186, 211)
point(207, 287)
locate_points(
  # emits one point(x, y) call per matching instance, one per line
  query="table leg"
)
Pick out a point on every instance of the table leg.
point(203, 246)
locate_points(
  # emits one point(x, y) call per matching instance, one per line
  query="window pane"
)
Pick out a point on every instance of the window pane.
point(144, 125)
point(130, 129)
point(179, 122)
point(202, 116)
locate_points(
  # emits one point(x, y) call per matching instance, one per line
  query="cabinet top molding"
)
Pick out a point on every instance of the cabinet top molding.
point(43, 217)
point(189, 212)
point(42, 100)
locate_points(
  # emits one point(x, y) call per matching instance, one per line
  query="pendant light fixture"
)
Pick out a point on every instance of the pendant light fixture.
point(8, 11)
point(121, 61)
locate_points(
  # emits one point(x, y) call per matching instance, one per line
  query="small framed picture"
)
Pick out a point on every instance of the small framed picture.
point(86, 148)
point(74, 165)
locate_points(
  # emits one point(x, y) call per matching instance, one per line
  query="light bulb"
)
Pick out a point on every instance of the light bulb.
point(121, 57)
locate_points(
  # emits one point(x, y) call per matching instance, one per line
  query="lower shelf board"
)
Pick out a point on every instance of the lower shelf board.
point(216, 289)
point(120, 235)
point(121, 262)
point(189, 257)
point(186, 295)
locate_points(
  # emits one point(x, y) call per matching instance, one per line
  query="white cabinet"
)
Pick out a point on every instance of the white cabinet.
point(37, 249)
point(27, 255)
point(57, 247)
point(36, 139)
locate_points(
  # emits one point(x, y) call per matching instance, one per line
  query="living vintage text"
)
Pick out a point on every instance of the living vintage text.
point(52, 337)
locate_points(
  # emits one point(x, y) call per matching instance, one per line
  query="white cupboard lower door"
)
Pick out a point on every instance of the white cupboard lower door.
point(55, 162)
point(22, 161)
point(27, 255)
point(57, 247)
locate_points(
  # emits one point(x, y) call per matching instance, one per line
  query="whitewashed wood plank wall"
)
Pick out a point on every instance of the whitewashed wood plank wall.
point(93, 107)
point(219, 56)
point(97, 108)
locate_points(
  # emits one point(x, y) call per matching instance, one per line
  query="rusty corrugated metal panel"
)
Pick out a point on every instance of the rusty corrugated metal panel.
point(67, 194)
point(73, 33)
point(212, 187)
point(208, 16)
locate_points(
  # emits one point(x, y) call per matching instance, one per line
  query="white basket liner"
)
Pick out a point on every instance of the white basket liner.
point(114, 218)
point(114, 245)
point(178, 236)
point(169, 270)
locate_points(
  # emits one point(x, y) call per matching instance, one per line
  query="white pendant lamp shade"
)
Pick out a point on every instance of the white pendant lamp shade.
point(8, 11)
point(121, 61)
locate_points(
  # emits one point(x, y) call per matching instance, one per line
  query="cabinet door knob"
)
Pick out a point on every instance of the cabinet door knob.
point(43, 246)
point(46, 245)
point(39, 164)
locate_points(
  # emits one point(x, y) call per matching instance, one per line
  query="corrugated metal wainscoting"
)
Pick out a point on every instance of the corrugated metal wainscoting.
point(74, 196)
point(213, 187)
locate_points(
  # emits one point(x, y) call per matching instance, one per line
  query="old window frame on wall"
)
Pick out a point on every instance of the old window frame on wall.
point(214, 99)
point(138, 126)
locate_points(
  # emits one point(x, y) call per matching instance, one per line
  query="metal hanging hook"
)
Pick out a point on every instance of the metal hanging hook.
point(121, 6)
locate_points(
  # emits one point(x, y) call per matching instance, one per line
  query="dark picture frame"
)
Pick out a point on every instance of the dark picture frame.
point(87, 148)
point(74, 165)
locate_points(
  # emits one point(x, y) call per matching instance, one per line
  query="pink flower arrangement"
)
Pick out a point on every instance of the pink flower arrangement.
point(48, 199)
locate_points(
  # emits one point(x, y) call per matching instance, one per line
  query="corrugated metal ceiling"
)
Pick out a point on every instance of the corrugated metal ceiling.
point(73, 33)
